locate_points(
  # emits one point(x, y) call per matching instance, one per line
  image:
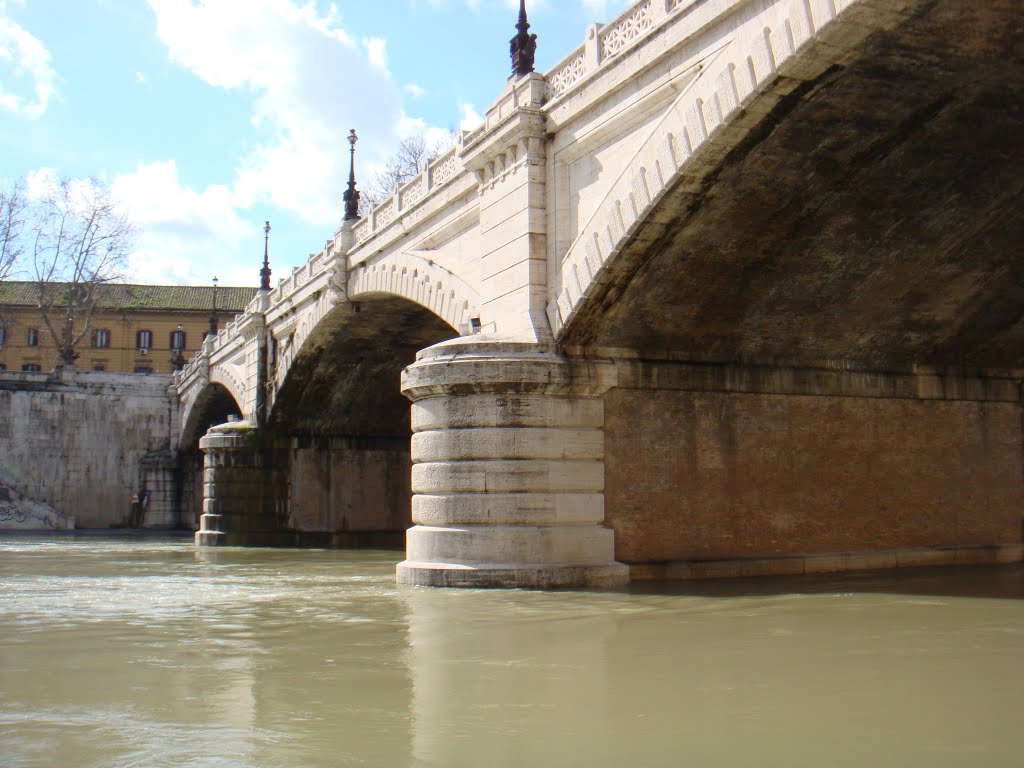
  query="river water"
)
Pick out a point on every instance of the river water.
point(146, 652)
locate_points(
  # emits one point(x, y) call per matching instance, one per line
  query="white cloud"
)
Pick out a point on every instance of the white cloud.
point(415, 90)
point(27, 79)
point(200, 228)
point(377, 52)
point(310, 82)
point(471, 119)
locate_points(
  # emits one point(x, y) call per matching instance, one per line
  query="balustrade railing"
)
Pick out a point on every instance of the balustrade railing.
point(437, 174)
point(605, 42)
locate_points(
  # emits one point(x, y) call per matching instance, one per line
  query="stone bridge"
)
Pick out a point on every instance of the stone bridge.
point(737, 287)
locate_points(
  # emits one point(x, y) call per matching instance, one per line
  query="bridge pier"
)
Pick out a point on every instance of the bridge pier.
point(508, 473)
point(240, 489)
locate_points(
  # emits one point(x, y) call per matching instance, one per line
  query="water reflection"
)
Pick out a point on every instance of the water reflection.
point(120, 653)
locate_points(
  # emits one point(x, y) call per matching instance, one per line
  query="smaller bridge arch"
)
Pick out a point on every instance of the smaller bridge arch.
point(213, 405)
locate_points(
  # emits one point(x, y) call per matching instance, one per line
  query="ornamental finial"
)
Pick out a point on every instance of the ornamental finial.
point(523, 46)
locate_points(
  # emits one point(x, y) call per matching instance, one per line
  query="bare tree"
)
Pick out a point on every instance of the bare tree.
point(13, 214)
point(80, 240)
point(413, 155)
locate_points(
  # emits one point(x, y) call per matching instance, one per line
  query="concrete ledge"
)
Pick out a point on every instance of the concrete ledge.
point(524, 575)
point(825, 563)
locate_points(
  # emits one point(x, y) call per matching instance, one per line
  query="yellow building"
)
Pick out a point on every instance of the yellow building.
point(134, 328)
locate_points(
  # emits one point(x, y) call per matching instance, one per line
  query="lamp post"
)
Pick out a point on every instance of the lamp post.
point(265, 272)
point(351, 196)
point(213, 314)
point(178, 361)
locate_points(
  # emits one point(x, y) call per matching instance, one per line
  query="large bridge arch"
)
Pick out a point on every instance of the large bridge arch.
point(340, 423)
point(818, 324)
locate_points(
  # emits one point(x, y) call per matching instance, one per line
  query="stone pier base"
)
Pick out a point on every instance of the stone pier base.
point(508, 472)
point(240, 490)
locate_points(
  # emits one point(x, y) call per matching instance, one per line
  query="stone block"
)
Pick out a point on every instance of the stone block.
point(508, 476)
point(508, 509)
point(507, 443)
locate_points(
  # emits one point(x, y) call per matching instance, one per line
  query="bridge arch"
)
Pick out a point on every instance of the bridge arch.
point(839, 256)
point(340, 425)
point(417, 278)
point(215, 404)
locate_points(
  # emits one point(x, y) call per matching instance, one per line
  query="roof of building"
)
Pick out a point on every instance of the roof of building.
point(14, 293)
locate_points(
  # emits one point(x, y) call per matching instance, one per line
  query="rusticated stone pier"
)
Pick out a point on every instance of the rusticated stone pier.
point(508, 473)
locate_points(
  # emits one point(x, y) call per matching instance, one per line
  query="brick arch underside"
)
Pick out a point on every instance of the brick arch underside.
point(341, 425)
point(867, 229)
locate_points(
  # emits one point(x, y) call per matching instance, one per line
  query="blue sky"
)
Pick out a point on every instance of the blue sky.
point(207, 117)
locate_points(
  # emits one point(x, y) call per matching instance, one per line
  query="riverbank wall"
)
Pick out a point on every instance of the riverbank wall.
point(84, 444)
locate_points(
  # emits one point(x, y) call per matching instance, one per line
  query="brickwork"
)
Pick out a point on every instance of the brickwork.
point(705, 475)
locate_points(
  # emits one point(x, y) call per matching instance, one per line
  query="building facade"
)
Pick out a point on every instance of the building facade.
point(133, 328)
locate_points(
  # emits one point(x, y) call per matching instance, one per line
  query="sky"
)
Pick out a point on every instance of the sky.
point(208, 117)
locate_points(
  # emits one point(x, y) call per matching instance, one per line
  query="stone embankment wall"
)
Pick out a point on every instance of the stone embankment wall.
point(83, 443)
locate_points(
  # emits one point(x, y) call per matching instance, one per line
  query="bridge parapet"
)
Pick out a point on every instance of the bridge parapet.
point(604, 42)
point(438, 173)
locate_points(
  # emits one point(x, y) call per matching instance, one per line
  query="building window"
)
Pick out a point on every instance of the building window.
point(101, 337)
point(3, 336)
point(33, 337)
point(31, 367)
point(177, 340)
point(143, 369)
point(144, 340)
point(99, 368)
point(3, 366)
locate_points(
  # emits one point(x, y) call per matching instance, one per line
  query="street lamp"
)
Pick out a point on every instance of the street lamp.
point(265, 272)
point(213, 314)
point(351, 196)
point(178, 361)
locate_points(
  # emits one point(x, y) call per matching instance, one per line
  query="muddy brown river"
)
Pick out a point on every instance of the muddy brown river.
point(146, 652)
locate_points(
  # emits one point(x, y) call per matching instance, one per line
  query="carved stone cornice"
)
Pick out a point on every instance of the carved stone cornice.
point(517, 140)
point(250, 324)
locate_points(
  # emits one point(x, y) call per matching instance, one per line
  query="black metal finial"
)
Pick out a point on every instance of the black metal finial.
point(213, 313)
point(265, 272)
point(523, 46)
point(351, 196)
